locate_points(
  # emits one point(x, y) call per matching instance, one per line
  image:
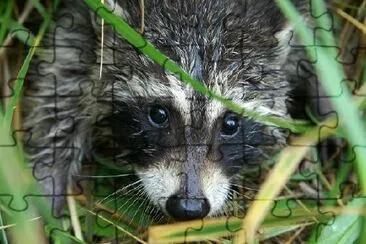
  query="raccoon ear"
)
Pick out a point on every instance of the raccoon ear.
point(121, 8)
point(284, 41)
point(115, 8)
point(285, 33)
point(274, 27)
point(118, 9)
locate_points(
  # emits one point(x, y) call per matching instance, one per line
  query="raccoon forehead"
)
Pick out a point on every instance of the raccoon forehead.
point(260, 97)
point(182, 97)
point(216, 109)
point(148, 89)
point(152, 90)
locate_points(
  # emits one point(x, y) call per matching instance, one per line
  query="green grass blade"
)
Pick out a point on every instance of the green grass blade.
point(39, 7)
point(330, 71)
point(5, 20)
point(221, 227)
point(345, 228)
point(332, 77)
point(22, 73)
point(3, 237)
point(16, 181)
point(271, 232)
point(21, 32)
point(11, 167)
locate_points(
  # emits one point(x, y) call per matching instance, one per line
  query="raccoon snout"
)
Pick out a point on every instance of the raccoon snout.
point(182, 209)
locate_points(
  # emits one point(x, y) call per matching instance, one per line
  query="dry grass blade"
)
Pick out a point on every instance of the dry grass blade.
point(13, 225)
point(142, 7)
point(352, 20)
point(218, 228)
point(27, 10)
point(224, 227)
point(173, 233)
point(101, 46)
point(74, 215)
point(297, 233)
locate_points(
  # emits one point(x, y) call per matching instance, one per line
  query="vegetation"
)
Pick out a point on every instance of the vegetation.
point(335, 214)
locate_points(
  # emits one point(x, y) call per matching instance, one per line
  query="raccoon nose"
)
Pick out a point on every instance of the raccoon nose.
point(187, 208)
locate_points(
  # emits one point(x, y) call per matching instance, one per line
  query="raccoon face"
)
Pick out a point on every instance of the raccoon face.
point(185, 147)
point(186, 160)
point(191, 179)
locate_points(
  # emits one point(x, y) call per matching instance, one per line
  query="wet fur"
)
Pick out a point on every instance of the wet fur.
point(237, 48)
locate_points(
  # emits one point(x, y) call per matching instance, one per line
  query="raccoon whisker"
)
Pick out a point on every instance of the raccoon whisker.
point(140, 195)
point(231, 194)
point(241, 178)
point(233, 166)
point(121, 157)
point(122, 210)
point(135, 197)
point(103, 176)
point(153, 210)
point(149, 151)
point(123, 213)
point(227, 208)
point(236, 196)
point(144, 206)
point(137, 188)
point(137, 133)
point(118, 191)
point(151, 214)
point(223, 211)
point(141, 221)
point(243, 181)
point(238, 193)
point(149, 211)
point(233, 202)
point(130, 185)
point(244, 187)
point(120, 195)
point(157, 217)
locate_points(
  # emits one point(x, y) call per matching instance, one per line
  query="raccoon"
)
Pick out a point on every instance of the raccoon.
point(184, 147)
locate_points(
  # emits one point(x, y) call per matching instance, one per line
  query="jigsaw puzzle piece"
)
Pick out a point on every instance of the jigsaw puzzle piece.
point(321, 21)
point(193, 231)
point(289, 211)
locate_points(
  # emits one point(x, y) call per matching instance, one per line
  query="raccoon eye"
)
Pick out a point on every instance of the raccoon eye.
point(158, 116)
point(230, 124)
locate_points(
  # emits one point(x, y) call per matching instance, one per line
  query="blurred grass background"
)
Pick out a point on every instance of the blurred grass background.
point(296, 215)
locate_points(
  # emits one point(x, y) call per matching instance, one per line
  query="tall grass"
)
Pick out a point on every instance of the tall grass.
point(306, 219)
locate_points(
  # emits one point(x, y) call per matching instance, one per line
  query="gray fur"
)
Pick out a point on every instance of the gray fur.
point(230, 46)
